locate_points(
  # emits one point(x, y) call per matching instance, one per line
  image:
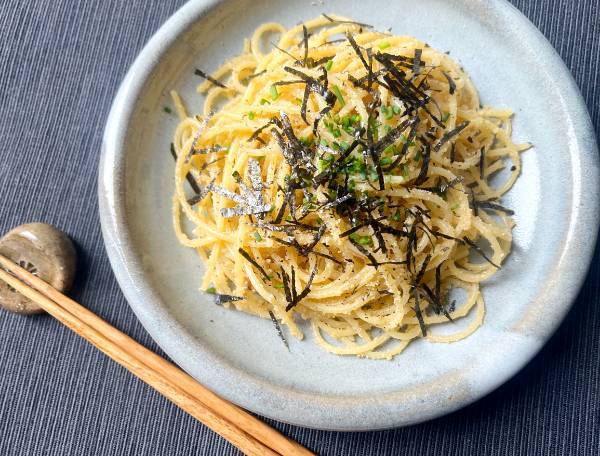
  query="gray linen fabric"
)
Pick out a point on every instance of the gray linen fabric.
point(61, 62)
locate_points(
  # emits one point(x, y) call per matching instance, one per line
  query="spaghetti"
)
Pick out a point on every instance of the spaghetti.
point(348, 178)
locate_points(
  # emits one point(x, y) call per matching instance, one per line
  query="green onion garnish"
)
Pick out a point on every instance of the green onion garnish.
point(211, 290)
point(385, 161)
point(251, 115)
point(387, 111)
point(257, 236)
point(384, 45)
point(329, 64)
point(404, 170)
point(362, 240)
point(264, 101)
point(278, 285)
point(338, 95)
point(396, 109)
point(167, 110)
point(446, 116)
point(396, 216)
point(274, 93)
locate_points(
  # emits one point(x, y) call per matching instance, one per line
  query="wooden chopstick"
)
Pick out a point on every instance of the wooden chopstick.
point(246, 432)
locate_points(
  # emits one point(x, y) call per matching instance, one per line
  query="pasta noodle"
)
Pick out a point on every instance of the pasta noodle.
point(349, 178)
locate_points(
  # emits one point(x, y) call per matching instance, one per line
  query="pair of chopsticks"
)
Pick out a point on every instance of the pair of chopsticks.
point(249, 434)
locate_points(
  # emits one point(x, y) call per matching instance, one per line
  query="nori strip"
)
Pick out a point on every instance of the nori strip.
point(337, 201)
point(280, 213)
point(451, 83)
point(478, 249)
point(285, 278)
point(253, 262)
point(304, 292)
point(411, 136)
point(188, 176)
point(335, 21)
point(421, 272)
point(417, 61)
point(357, 50)
point(482, 163)
point(365, 252)
point(418, 312)
point(299, 249)
point(208, 77)
point(449, 135)
point(278, 329)
point(252, 76)
point(259, 131)
point(223, 298)
point(305, 41)
point(293, 283)
point(494, 206)
point(422, 177)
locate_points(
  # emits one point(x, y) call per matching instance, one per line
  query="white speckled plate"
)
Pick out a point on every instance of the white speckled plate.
point(239, 356)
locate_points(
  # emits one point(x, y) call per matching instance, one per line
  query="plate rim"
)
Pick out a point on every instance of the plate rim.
point(261, 396)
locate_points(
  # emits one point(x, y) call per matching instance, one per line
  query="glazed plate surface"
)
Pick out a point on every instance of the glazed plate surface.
point(239, 356)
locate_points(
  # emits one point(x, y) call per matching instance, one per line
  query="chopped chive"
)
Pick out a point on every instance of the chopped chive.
point(388, 112)
point(167, 110)
point(384, 45)
point(417, 156)
point(356, 118)
point(257, 236)
point(362, 240)
point(329, 64)
point(274, 93)
point(404, 170)
point(446, 116)
point(390, 150)
point(211, 290)
point(385, 161)
point(298, 101)
point(278, 285)
point(338, 95)
point(396, 216)
point(306, 140)
point(251, 115)
point(264, 101)
point(396, 109)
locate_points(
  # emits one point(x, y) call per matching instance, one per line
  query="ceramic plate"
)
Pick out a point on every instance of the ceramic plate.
point(239, 356)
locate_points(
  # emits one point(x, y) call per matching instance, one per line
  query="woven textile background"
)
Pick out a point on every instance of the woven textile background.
point(61, 62)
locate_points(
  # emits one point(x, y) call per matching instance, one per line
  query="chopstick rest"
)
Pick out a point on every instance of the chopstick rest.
point(47, 253)
point(246, 432)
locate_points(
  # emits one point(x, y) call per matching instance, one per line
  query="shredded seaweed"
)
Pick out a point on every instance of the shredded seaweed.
point(482, 163)
point(451, 83)
point(278, 329)
point(208, 77)
point(336, 21)
point(478, 249)
point(297, 298)
point(418, 312)
point(193, 184)
point(224, 298)
point(253, 262)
